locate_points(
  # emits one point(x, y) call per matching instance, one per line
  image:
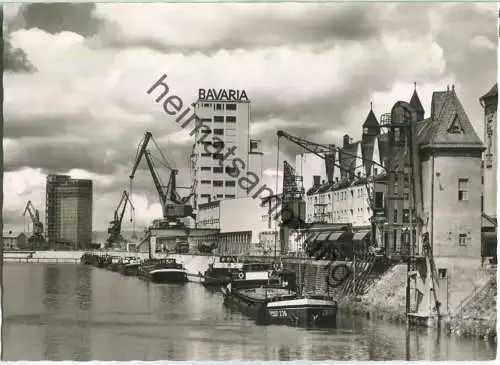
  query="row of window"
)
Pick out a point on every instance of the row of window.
point(219, 106)
point(209, 221)
point(219, 170)
point(218, 196)
point(229, 119)
point(218, 182)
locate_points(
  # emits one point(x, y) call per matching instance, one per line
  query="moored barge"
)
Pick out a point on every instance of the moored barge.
point(162, 271)
point(280, 303)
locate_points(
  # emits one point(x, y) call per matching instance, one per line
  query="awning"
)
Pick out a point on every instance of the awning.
point(334, 236)
point(322, 236)
point(360, 235)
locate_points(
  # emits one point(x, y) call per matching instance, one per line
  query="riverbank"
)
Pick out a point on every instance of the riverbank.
point(385, 300)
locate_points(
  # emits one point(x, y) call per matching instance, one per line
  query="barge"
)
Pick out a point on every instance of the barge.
point(162, 271)
point(278, 302)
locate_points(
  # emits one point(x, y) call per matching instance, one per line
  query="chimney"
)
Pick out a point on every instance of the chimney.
point(346, 140)
point(317, 180)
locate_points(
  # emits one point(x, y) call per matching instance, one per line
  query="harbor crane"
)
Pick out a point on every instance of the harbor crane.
point(36, 237)
point(115, 226)
point(326, 151)
point(173, 205)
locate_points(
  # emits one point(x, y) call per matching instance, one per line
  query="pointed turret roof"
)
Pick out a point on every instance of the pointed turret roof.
point(371, 120)
point(493, 92)
point(415, 101)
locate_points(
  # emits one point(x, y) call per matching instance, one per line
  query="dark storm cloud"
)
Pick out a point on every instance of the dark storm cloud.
point(328, 22)
point(15, 59)
point(58, 17)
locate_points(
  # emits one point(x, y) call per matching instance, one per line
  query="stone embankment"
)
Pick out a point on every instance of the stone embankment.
point(478, 317)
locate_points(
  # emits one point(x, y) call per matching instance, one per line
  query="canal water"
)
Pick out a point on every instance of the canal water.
point(75, 312)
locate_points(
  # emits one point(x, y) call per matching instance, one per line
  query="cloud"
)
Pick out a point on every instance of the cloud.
point(309, 69)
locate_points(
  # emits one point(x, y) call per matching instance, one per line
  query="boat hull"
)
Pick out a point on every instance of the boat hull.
point(301, 312)
point(297, 312)
point(129, 270)
point(168, 276)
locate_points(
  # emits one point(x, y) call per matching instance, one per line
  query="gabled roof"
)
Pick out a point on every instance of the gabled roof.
point(449, 112)
point(348, 158)
point(11, 234)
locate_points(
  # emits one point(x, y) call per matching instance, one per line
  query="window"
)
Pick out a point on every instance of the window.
point(218, 144)
point(218, 119)
point(379, 200)
point(204, 154)
point(206, 168)
point(218, 183)
point(375, 171)
point(205, 196)
point(230, 183)
point(207, 105)
point(397, 135)
point(218, 156)
point(406, 215)
point(365, 130)
point(231, 170)
point(395, 215)
point(219, 132)
point(205, 120)
point(205, 182)
point(219, 107)
point(463, 189)
point(406, 196)
point(230, 196)
point(218, 170)
point(220, 195)
point(230, 106)
point(231, 119)
point(462, 239)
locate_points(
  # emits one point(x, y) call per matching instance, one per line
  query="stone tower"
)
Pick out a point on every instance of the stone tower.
point(489, 103)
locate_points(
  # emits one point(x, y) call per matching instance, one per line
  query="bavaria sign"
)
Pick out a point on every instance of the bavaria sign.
point(222, 95)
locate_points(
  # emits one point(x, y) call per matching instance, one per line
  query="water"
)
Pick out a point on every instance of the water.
point(74, 312)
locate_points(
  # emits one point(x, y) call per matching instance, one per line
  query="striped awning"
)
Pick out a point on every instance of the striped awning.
point(360, 235)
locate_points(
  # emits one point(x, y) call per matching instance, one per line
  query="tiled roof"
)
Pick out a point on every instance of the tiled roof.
point(450, 111)
point(11, 234)
point(371, 120)
point(493, 92)
point(415, 102)
point(446, 109)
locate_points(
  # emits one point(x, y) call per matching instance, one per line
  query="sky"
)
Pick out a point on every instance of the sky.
point(77, 74)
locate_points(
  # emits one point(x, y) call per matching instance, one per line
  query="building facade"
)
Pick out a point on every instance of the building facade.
point(223, 151)
point(14, 240)
point(69, 211)
point(449, 175)
point(489, 103)
point(254, 230)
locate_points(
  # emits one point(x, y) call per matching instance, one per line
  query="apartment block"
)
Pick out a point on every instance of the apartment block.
point(68, 212)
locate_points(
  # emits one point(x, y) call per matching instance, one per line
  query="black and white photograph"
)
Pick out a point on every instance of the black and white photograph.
point(238, 181)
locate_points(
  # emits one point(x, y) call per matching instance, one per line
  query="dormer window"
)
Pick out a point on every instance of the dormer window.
point(365, 130)
point(455, 126)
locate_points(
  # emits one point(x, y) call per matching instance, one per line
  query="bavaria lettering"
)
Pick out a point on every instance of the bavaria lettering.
point(222, 95)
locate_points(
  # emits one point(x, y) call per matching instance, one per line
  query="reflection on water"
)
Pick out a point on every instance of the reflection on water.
point(73, 312)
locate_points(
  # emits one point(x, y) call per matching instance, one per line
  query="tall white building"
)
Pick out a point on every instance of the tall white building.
point(223, 153)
